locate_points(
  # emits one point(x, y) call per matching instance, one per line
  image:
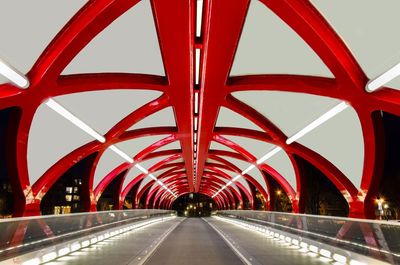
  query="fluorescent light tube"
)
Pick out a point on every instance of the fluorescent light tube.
point(195, 123)
point(13, 75)
point(325, 117)
point(340, 258)
point(383, 79)
point(121, 153)
point(145, 171)
point(248, 169)
point(269, 155)
point(196, 102)
point(197, 69)
point(64, 251)
point(51, 103)
point(236, 178)
point(152, 176)
point(199, 17)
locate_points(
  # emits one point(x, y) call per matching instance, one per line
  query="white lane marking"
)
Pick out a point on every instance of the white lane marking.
point(140, 260)
point(235, 250)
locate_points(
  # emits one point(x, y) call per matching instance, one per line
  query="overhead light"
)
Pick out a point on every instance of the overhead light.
point(229, 183)
point(139, 166)
point(195, 137)
point(248, 169)
point(383, 79)
point(269, 155)
point(152, 176)
point(236, 178)
point(121, 153)
point(196, 102)
point(197, 65)
point(13, 75)
point(325, 117)
point(51, 103)
point(195, 123)
point(199, 17)
point(159, 182)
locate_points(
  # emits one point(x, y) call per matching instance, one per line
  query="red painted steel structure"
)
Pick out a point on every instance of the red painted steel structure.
point(222, 26)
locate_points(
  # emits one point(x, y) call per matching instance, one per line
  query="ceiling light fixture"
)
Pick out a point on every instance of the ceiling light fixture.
point(13, 75)
point(195, 123)
point(269, 155)
point(197, 64)
point(383, 79)
point(79, 123)
point(139, 166)
point(196, 102)
point(248, 169)
point(199, 17)
point(152, 176)
point(236, 178)
point(322, 119)
point(121, 153)
point(51, 103)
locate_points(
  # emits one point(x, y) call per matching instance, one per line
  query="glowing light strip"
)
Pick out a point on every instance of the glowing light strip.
point(76, 246)
point(269, 155)
point(236, 178)
point(51, 103)
point(383, 79)
point(303, 245)
point(159, 182)
point(69, 116)
point(197, 65)
point(152, 176)
point(325, 117)
point(13, 75)
point(196, 102)
point(227, 185)
point(199, 17)
point(138, 166)
point(247, 170)
point(121, 153)
point(195, 123)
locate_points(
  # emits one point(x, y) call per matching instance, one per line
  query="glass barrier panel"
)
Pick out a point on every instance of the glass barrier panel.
point(377, 239)
point(22, 235)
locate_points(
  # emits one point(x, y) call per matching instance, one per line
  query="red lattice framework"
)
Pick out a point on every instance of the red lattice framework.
point(222, 25)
